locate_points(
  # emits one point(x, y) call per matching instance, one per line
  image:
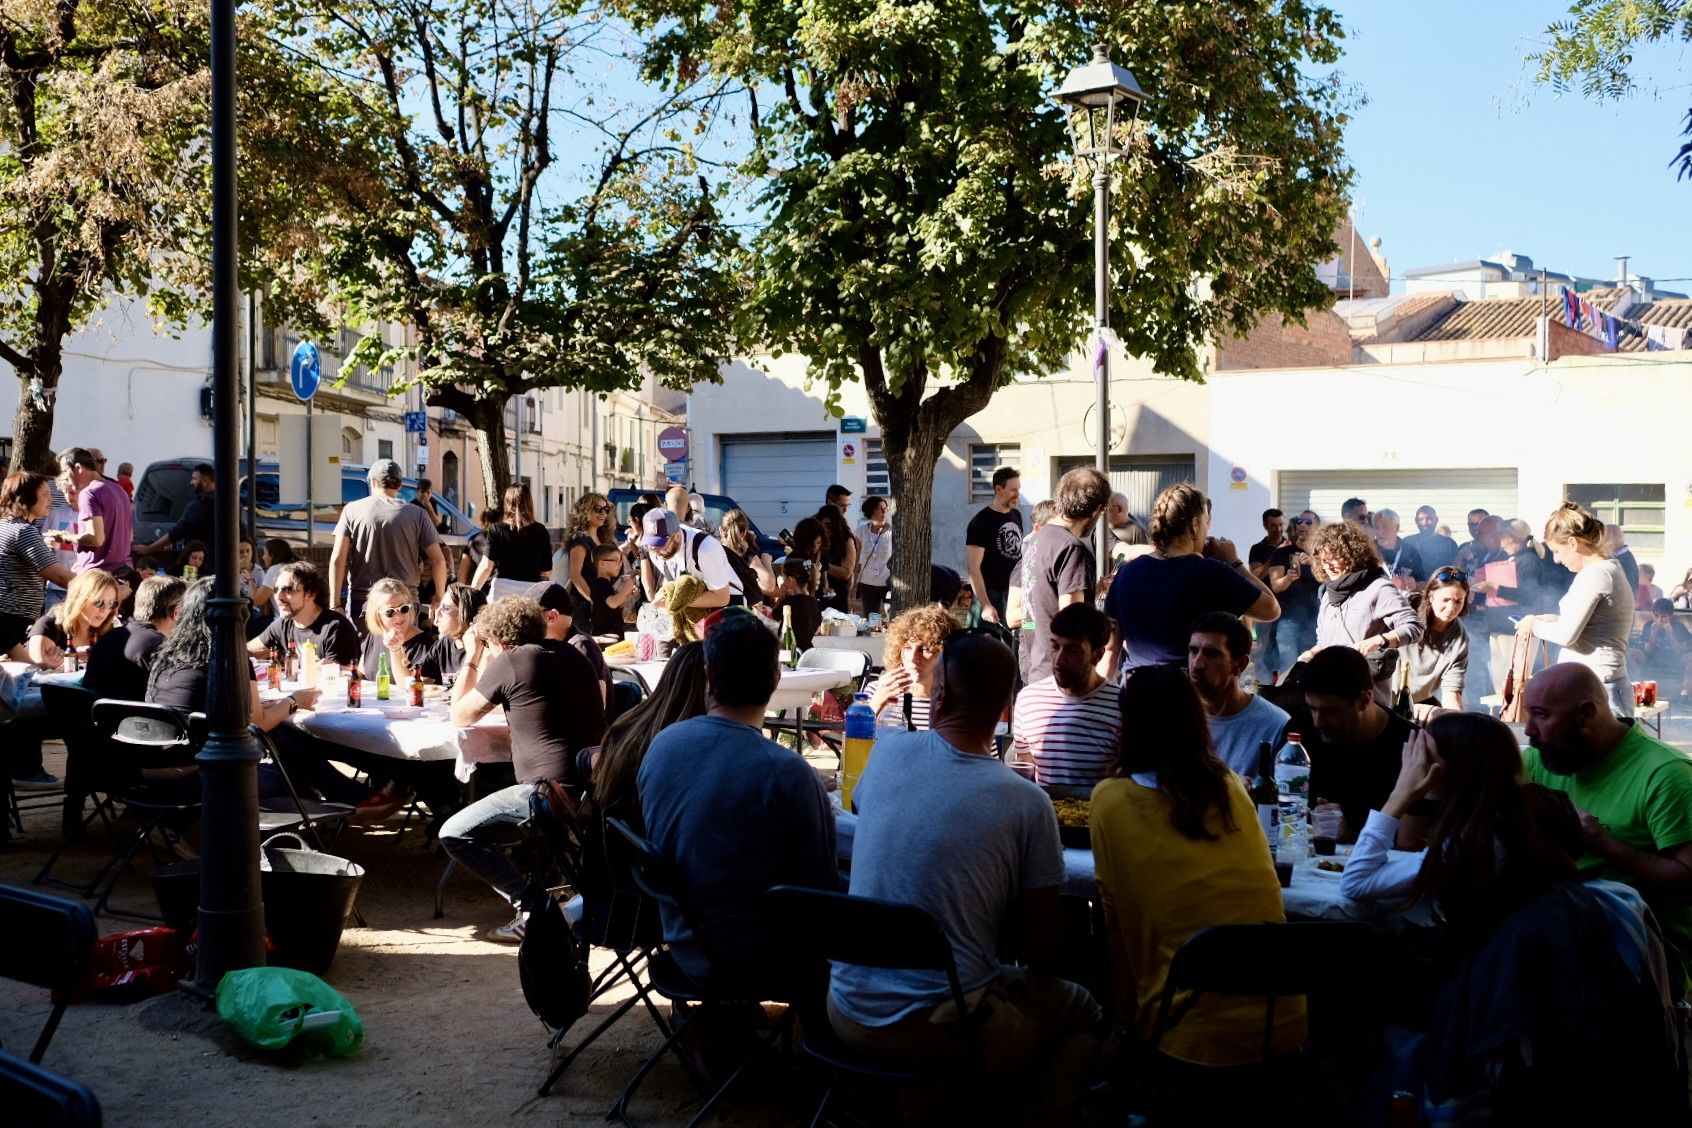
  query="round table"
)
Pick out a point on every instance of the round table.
point(397, 731)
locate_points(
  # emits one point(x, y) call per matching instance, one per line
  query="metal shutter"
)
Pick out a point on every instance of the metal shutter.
point(1140, 477)
point(1452, 493)
point(778, 479)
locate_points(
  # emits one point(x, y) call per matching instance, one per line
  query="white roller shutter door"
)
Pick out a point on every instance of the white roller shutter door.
point(778, 479)
point(1452, 493)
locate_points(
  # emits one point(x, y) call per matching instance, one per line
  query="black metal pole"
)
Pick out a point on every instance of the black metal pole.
point(250, 373)
point(231, 911)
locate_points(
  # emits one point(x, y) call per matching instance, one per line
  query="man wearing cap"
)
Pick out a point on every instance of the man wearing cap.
point(382, 537)
point(674, 551)
point(557, 608)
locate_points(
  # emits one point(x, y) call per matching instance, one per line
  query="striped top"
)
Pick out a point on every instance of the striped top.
point(892, 715)
point(23, 557)
point(1072, 740)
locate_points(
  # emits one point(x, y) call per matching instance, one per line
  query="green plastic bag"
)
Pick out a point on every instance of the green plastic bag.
point(271, 1007)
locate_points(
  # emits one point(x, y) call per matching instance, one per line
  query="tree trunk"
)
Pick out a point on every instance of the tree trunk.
point(486, 414)
point(32, 426)
point(911, 468)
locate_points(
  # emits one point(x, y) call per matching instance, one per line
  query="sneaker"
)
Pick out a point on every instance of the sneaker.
point(376, 808)
point(40, 781)
point(509, 933)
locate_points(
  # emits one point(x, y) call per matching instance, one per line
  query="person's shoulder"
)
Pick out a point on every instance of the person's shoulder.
point(1265, 709)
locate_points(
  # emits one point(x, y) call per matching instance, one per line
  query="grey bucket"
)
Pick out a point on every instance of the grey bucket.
point(307, 896)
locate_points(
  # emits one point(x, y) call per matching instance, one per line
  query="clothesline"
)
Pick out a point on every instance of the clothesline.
point(1607, 327)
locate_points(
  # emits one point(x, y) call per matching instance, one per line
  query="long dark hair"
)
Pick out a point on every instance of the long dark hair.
point(189, 642)
point(836, 532)
point(810, 538)
point(1171, 736)
point(1495, 838)
point(679, 695)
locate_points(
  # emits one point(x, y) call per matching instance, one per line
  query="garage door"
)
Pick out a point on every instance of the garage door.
point(1452, 493)
point(778, 479)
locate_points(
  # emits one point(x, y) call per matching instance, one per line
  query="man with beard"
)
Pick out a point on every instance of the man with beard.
point(1633, 794)
point(1435, 549)
point(1218, 654)
point(302, 595)
point(1356, 747)
point(1068, 723)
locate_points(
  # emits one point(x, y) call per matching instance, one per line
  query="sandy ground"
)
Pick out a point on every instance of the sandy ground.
point(448, 1038)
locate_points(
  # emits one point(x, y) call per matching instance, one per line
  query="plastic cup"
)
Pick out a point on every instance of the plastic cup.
point(1284, 874)
point(1650, 693)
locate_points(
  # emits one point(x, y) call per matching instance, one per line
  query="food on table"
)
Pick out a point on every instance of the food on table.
point(1071, 812)
point(618, 649)
point(1331, 865)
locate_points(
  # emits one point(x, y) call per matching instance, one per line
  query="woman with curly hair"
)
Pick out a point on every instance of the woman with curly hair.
point(593, 522)
point(1361, 607)
point(900, 697)
point(1156, 598)
point(1594, 620)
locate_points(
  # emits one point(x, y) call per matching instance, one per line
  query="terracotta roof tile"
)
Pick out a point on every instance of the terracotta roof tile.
point(1513, 318)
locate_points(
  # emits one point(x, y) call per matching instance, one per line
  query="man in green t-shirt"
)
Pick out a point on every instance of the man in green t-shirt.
point(1634, 793)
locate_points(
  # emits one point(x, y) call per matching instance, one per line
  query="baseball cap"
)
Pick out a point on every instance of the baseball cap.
point(551, 596)
point(385, 470)
point(659, 525)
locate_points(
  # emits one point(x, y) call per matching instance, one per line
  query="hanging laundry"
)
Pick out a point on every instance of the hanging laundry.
point(1571, 308)
point(1656, 338)
point(1612, 332)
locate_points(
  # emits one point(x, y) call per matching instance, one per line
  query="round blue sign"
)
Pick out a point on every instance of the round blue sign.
point(305, 372)
point(1238, 474)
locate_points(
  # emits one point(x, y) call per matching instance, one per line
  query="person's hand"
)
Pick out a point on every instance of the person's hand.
point(989, 613)
point(1591, 830)
point(393, 638)
point(1371, 644)
point(52, 657)
point(1420, 769)
point(306, 698)
point(1524, 626)
point(1483, 587)
point(898, 680)
point(1308, 654)
point(1221, 548)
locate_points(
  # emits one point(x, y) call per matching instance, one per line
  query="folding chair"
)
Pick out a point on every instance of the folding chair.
point(311, 812)
point(42, 1099)
point(89, 774)
point(654, 876)
point(854, 663)
point(868, 933)
point(149, 736)
point(47, 942)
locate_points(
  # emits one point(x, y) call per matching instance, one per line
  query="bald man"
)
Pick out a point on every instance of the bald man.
point(677, 501)
point(1633, 792)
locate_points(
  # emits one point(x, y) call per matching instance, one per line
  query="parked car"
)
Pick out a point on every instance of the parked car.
point(716, 506)
point(162, 494)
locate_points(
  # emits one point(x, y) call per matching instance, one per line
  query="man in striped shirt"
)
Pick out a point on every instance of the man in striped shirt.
point(1069, 723)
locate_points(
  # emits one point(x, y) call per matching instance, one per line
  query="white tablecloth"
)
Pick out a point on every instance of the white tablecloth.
point(20, 687)
point(795, 691)
point(406, 734)
point(875, 645)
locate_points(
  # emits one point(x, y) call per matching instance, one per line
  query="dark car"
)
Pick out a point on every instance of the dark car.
point(716, 506)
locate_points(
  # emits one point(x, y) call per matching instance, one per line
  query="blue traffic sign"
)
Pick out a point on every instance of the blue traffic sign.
point(306, 370)
point(416, 423)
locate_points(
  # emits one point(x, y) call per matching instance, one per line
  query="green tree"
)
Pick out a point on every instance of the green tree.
point(104, 188)
point(1593, 50)
point(514, 268)
point(926, 234)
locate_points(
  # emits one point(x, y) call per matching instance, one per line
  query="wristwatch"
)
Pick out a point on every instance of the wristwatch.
point(293, 705)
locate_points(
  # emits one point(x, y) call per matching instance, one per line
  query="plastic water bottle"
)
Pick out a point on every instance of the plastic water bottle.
point(860, 737)
point(308, 665)
point(1292, 778)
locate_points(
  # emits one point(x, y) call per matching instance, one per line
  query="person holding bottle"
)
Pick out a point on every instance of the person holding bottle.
point(901, 695)
point(390, 621)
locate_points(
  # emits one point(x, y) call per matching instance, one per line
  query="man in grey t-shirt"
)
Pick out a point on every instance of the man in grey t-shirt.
point(382, 537)
point(945, 826)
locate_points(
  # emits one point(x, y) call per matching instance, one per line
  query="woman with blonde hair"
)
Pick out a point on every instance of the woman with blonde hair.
point(736, 534)
point(519, 550)
point(1361, 607)
point(390, 624)
point(90, 610)
point(1540, 582)
point(1595, 618)
point(1156, 598)
point(900, 697)
point(593, 522)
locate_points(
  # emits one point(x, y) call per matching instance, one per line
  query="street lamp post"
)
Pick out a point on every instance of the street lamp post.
point(1093, 95)
point(231, 911)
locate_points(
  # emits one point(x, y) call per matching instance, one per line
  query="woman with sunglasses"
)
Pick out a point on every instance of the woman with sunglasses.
point(593, 522)
point(89, 611)
point(390, 620)
point(1437, 664)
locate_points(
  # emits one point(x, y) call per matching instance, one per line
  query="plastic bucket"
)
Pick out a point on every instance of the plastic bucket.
point(307, 896)
point(177, 887)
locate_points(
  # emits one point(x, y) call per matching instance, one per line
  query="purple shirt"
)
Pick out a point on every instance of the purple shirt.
point(107, 501)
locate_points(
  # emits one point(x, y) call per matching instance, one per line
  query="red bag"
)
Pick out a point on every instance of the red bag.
point(128, 966)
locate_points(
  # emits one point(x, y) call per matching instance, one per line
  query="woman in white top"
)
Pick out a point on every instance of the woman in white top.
point(1594, 620)
point(875, 555)
point(1461, 790)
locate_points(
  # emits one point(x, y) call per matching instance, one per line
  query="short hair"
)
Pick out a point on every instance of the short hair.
point(1662, 606)
point(512, 622)
point(125, 468)
point(77, 456)
point(1271, 512)
point(1338, 671)
point(424, 485)
point(1355, 547)
point(1176, 511)
point(1574, 522)
point(20, 492)
point(740, 660)
point(1351, 505)
point(1082, 621)
point(1232, 629)
point(1478, 509)
point(1429, 510)
point(606, 551)
point(310, 579)
point(205, 470)
point(870, 504)
point(1081, 493)
point(836, 492)
point(987, 680)
point(146, 562)
point(1004, 474)
point(158, 597)
point(1388, 515)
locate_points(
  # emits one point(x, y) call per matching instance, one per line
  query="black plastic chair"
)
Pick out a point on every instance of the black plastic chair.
point(869, 933)
point(43, 1099)
point(294, 813)
point(656, 878)
point(147, 736)
point(47, 941)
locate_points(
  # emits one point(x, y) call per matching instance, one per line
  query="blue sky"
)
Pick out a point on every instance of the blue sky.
point(1459, 155)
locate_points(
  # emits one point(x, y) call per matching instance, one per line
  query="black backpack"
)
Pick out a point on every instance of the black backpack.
point(748, 578)
point(551, 965)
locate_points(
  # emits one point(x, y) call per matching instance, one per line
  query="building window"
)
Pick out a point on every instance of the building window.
point(984, 458)
point(1638, 507)
point(384, 448)
point(877, 481)
point(352, 444)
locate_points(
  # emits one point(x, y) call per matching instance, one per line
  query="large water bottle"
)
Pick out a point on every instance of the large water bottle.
point(860, 737)
point(1292, 779)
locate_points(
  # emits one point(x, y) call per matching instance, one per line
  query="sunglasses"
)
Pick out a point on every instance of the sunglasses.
point(103, 604)
point(602, 509)
point(1445, 574)
point(287, 589)
point(390, 612)
point(1303, 521)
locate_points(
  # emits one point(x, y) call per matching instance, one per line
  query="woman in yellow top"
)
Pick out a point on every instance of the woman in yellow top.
point(1178, 848)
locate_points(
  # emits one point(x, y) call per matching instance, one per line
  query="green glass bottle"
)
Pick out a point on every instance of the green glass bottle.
point(384, 677)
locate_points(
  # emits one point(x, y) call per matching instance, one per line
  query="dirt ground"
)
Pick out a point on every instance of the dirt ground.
point(448, 1039)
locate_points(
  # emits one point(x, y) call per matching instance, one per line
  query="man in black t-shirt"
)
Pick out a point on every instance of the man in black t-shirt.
point(302, 596)
point(558, 609)
point(117, 663)
point(552, 703)
point(993, 544)
point(1356, 747)
point(1274, 537)
point(1064, 570)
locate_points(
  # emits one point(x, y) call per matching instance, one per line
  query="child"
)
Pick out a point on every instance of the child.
point(612, 588)
point(126, 479)
point(193, 556)
point(798, 592)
